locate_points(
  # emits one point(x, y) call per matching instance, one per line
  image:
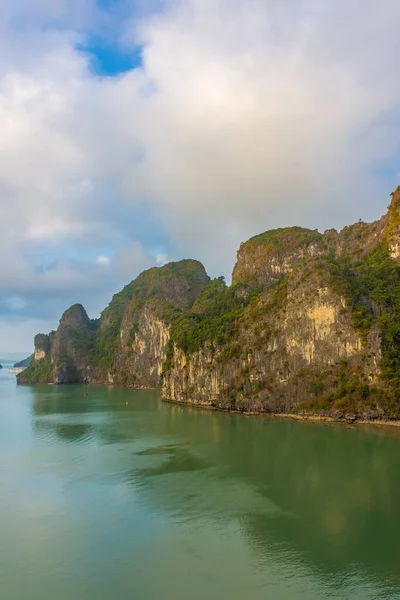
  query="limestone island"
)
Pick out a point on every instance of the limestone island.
point(309, 326)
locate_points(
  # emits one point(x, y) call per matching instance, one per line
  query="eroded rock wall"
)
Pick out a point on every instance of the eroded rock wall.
point(282, 343)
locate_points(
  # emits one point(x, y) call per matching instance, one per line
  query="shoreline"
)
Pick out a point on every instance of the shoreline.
point(314, 418)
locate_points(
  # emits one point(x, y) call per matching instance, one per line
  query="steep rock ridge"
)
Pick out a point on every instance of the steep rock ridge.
point(134, 328)
point(42, 344)
point(322, 335)
point(393, 226)
point(40, 369)
point(265, 258)
point(140, 357)
point(63, 356)
point(128, 344)
point(72, 346)
point(310, 324)
point(281, 344)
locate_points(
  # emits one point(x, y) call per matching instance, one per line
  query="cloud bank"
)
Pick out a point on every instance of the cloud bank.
point(241, 115)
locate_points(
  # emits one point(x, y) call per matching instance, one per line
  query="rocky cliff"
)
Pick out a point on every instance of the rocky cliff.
point(311, 324)
point(63, 356)
point(127, 345)
point(265, 258)
point(321, 331)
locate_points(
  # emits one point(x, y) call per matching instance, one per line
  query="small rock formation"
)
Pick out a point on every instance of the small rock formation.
point(72, 346)
point(42, 345)
point(63, 356)
point(309, 325)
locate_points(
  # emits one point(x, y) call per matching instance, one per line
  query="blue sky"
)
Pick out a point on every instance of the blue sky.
point(137, 132)
point(104, 47)
point(107, 59)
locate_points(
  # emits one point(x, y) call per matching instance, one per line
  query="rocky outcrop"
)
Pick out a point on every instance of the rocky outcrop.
point(72, 346)
point(141, 356)
point(63, 356)
point(320, 336)
point(282, 344)
point(42, 344)
point(128, 344)
point(134, 329)
point(393, 226)
point(265, 258)
point(310, 324)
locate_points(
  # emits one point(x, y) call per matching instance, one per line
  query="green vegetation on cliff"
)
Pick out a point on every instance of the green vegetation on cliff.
point(343, 389)
point(177, 282)
point(43, 342)
point(108, 332)
point(372, 289)
point(83, 338)
point(265, 258)
point(220, 308)
point(209, 295)
point(287, 239)
point(176, 285)
point(370, 283)
point(311, 322)
point(41, 371)
point(64, 355)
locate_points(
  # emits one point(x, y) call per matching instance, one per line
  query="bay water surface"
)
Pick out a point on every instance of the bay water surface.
point(117, 495)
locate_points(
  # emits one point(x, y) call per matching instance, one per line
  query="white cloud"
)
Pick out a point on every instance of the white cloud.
point(247, 114)
point(103, 260)
point(261, 119)
point(161, 259)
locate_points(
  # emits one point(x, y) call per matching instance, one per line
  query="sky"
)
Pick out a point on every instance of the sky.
point(135, 132)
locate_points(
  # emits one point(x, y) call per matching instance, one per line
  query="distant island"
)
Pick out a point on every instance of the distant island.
point(309, 326)
point(24, 363)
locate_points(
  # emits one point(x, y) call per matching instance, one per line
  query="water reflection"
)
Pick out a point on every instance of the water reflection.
point(322, 500)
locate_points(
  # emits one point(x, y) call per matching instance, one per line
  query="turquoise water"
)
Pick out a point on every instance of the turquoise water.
point(100, 499)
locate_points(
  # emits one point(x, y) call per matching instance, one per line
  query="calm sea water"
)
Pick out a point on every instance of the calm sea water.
point(101, 499)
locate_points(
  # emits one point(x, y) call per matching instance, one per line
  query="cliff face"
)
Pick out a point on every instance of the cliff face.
point(63, 356)
point(311, 323)
point(72, 345)
point(134, 329)
point(287, 346)
point(128, 344)
point(140, 357)
point(265, 258)
point(392, 223)
point(320, 335)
